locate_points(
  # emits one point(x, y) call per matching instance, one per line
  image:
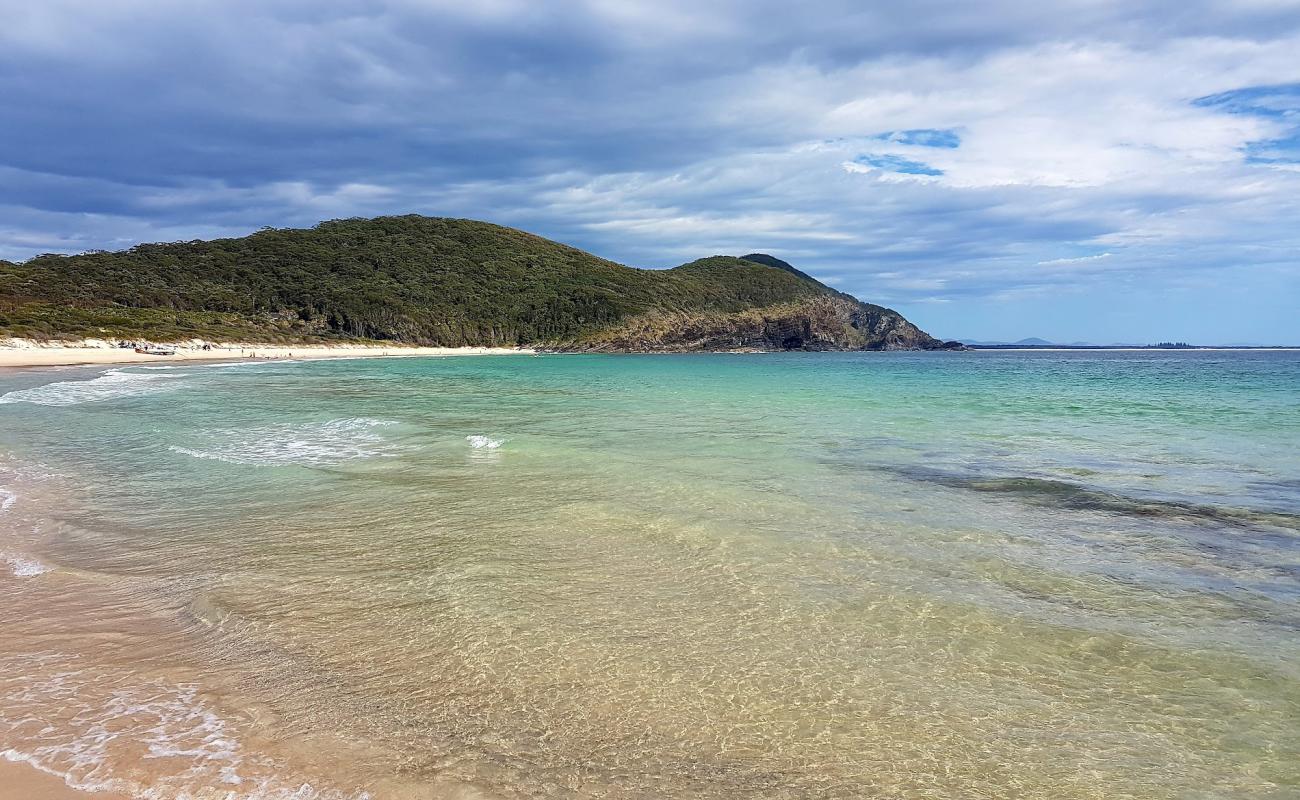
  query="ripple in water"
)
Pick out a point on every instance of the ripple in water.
point(304, 444)
point(20, 566)
point(669, 595)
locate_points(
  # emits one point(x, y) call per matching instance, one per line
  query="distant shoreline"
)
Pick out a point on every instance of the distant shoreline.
point(25, 353)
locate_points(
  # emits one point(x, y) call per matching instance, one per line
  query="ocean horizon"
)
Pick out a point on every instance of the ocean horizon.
point(1031, 574)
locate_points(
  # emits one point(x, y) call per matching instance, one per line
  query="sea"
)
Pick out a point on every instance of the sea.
point(965, 575)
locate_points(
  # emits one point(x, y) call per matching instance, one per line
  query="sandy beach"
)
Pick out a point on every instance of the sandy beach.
point(21, 781)
point(27, 353)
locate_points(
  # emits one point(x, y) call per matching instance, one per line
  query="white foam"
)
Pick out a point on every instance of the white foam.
point(196, 365)
point(111, 385)
point(308, 444)
point(480, 442)
point(252, 362)
point(23, 566)
point(194, 749)
point(7, 499)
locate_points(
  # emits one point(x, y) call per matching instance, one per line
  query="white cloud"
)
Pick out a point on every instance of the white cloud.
point(1076, 260)
point(654, 132)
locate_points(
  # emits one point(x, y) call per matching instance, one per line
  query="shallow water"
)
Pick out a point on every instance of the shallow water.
point(949, 575)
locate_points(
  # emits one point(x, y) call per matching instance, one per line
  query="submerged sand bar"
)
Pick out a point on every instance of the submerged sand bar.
point(28, 353)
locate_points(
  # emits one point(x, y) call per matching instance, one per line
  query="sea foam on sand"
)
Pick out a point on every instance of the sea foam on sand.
point(186, 743)
point(22, 566)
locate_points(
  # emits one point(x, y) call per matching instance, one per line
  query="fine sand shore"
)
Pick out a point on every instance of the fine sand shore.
point(21, 781)
point(25, 353)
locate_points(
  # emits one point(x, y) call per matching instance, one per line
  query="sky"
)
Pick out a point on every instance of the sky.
point(1123, 171)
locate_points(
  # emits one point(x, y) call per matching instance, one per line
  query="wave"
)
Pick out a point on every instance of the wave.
point(20, 566)
point(198, 365)
point(252, 362)
point(193, 750)
point(480, 442)
point(303, 444)
point(109, 386)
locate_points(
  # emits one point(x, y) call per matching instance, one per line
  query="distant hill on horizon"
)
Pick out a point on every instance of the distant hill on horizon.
point(1030, 342)
point(1038, 342)
point(435, 281)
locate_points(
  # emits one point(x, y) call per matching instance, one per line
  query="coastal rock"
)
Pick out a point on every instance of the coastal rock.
point(818, 324)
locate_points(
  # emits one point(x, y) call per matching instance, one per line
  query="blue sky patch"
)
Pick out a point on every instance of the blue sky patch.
point(1280, 102)
point(1274, 151)
point(923, 137)
point(890, 163)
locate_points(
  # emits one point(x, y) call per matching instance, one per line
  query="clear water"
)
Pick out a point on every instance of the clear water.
point(950, 575)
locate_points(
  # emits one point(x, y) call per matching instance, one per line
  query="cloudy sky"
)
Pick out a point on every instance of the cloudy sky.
point(1104, 171)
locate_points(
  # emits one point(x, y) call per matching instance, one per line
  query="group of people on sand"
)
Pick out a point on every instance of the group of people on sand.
point(253, 354)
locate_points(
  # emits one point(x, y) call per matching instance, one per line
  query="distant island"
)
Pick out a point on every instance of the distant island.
point(436, 282)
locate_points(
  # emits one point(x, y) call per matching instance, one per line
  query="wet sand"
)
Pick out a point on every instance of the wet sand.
point(21, 781)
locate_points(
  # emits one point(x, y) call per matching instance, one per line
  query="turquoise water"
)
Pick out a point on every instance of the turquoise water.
point(912, 575)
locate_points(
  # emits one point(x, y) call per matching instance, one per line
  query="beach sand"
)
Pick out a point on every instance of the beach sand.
point(24, 353)
point(21, 781)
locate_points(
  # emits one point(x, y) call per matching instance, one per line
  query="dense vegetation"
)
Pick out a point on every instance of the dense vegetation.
point(411, 279)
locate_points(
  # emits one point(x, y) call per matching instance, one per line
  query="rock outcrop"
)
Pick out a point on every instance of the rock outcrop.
point(816, 324)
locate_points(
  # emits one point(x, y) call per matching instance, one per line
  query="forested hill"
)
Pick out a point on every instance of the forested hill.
point(433, 281)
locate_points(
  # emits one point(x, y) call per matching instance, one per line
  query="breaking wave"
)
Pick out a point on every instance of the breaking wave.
point(212, 365)
point(20, 566)
point(309, 444)
point(479, 442)
point(109, 386)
